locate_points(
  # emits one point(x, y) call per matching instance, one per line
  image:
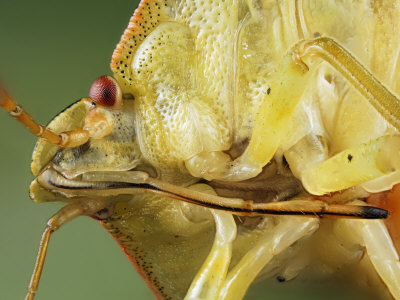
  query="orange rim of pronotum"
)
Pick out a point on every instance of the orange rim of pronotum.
point(134, 29)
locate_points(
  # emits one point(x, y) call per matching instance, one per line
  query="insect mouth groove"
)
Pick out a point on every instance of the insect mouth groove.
point(112, 184)
point(85, 185)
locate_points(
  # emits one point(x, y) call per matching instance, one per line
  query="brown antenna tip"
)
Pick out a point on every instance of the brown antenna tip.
point(6, 102)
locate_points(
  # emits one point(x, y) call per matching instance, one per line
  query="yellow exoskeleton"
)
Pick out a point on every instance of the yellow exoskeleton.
point(229, 131)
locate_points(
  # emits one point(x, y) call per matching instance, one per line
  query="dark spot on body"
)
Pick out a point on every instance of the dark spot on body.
point(285, 162)
point(269, 91)
point(102, 214)
point(349, 157)
point(316, 34)
point(281, 279)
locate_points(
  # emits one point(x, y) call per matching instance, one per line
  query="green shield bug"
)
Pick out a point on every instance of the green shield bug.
point(190, 119)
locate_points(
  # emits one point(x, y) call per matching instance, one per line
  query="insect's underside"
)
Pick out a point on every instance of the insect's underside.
point(230, 105)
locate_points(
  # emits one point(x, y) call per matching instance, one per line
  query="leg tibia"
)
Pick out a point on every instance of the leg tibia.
point(271, 243)
point(209, 279)
point(374, 91)
point(64, 215)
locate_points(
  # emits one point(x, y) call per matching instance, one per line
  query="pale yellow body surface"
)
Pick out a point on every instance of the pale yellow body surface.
point(224, 91)
point(201, 78)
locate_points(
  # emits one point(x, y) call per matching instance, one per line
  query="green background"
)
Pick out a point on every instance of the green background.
point(50, 52)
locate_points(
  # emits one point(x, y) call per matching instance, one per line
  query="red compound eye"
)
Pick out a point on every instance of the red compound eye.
point(105, 91)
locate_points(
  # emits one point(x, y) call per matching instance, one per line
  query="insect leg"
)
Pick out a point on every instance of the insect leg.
point(65, 214)
point(352, 166)
point(209, 279)
point(379, 246)
point(71, 138)
point(385, 102)
point(274, 240)
point(287, 85)
point(263, 143)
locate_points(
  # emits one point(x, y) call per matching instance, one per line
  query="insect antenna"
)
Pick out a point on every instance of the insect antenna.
point(71, 138)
